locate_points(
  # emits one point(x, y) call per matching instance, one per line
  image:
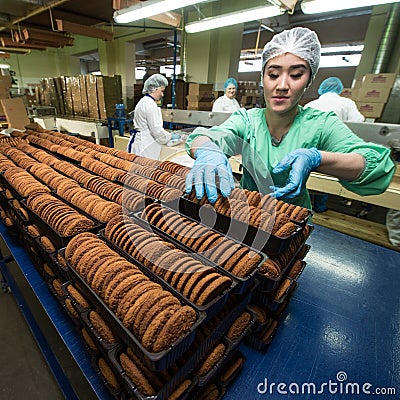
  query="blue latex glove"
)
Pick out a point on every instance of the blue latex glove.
point(210, 161)
point(175, 136)
point(302, 162)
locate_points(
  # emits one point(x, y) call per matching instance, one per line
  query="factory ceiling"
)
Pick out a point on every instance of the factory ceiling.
point(34, 25)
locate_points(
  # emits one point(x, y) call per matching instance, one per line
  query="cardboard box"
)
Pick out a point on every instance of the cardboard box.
point(91, 91)
point(15, 112)
point(379, 80)
point(202, 106)
point(367, 94)
point(349, 93)
point(196, 88)
point(371, 110)
point(76, 95)
point(85, 104)
point(109, 93)
point(193, 98)
point(69, 109)
point(201, 90)
point(358, 82)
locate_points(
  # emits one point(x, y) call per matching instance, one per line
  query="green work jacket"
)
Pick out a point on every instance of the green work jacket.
point(246, 132)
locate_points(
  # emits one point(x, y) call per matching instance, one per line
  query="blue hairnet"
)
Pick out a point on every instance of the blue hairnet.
point(302, 42)
point(329, 85)
point(230, 81)
point(154, 82)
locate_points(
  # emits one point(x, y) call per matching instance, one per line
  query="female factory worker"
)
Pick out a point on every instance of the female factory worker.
point(330, 100)
point(284, 140)
point(227, 103)
point(149, 134)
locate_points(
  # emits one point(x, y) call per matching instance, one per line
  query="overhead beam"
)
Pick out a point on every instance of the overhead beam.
point(71, 27)
point(47, 36)
point(16, 50)
point(8, 42)
point(36, 11)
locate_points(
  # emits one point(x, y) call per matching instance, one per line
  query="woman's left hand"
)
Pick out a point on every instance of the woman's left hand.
point(302, 162)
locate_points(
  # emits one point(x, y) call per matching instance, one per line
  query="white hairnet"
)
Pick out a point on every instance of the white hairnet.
point(302, 42)
point(154, 82)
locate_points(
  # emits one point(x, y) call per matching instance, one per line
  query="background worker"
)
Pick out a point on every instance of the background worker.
point(227, 103)
point(330, 100)
point(149, 133)
point(285, 141)
point(345, 109)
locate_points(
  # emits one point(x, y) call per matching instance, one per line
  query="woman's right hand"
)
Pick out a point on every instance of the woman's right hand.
point(210, 162)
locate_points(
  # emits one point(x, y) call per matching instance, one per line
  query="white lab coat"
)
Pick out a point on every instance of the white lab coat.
point(343, 107)
point(151, 134)
point(225, 104)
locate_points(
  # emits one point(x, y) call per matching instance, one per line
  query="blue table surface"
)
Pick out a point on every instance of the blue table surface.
point(341, 332)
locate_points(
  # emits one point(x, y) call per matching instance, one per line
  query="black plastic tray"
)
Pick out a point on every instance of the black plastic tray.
point(117, 394)
point(242, 283)
point(204, 380)
point(104, 346)
point(233, 356)
point(258, 239)
point(155, 361)
point(164, 392)
point(13, 191)
point(256, 342)
point(63, 272)
point(233, 344)
point(210, 309)
point(270, 284)
point(303, 265)
point(58, 240)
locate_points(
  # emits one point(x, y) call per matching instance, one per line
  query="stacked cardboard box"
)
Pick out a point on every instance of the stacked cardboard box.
point(30, 98)
point(248, 94)
point(5, 85)
point(137, 93)
point(200, 96)
point(371, 93)
point(84, 95)
point(181, 91)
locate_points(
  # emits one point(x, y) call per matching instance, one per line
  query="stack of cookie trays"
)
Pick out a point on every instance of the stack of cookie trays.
point(204, 318)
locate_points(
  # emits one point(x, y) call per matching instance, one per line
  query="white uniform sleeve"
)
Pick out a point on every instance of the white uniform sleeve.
point(218, 105)
point(155, 124)
point(353, 115)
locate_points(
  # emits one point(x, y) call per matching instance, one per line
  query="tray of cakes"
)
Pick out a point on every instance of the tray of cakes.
point(149, 316)
point(56, 219)
point(152, 188)
point(201, 282)
point(264, 223)
point(237, 259)
point(22, 184)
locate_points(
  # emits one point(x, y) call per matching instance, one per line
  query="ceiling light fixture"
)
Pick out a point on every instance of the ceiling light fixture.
point(238, 17)
point(323, 6)
point(150, 8)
